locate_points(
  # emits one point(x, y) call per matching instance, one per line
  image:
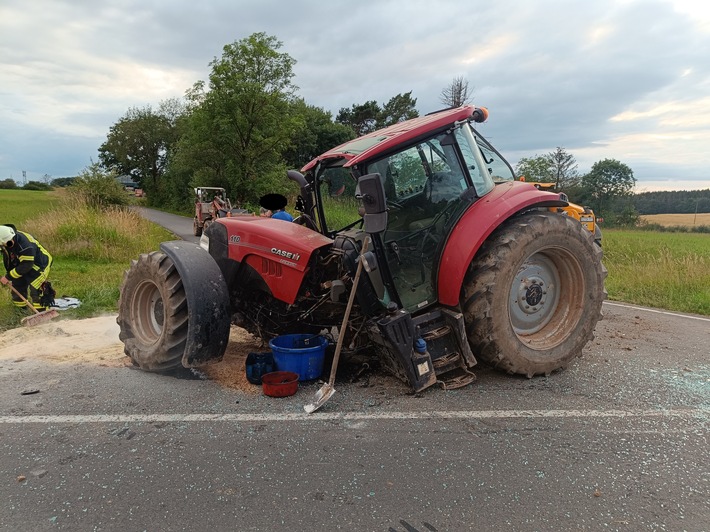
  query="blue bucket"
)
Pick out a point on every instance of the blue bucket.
point(299, 353)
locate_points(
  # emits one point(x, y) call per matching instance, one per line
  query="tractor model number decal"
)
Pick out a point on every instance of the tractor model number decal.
point(286, 254)
point(234, 239)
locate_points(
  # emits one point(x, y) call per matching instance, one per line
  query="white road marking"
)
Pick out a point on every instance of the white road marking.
point(657, 311)
point(465, 414)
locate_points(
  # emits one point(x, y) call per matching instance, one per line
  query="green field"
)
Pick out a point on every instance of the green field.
point(92, 249)
point(664, 270)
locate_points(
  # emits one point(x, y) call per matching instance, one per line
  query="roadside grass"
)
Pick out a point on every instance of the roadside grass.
point(663, 270)
point(91, 249)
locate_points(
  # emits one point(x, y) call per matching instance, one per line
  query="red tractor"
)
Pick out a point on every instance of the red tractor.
point(463, 262)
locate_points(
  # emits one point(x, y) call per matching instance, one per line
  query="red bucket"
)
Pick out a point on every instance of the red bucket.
point(279, 383)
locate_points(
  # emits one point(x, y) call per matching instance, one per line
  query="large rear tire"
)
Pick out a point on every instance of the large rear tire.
point(152, 313)
point(533, 295)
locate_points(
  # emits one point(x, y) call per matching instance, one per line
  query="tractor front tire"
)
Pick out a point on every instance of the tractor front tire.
point(152, 313)
point(196, 229)
point(533, 294)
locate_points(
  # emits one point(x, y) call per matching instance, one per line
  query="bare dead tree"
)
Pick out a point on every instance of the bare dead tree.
point(456, 94)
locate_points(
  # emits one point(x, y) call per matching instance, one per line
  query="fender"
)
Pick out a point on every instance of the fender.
point(277, 250)
point(209, 318)
point(477, 223)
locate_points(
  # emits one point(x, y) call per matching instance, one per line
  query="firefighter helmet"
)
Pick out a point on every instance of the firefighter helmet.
point(7, 233)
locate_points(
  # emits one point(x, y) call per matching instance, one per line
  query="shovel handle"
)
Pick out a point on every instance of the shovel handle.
point(346, 317)
point(23, 298)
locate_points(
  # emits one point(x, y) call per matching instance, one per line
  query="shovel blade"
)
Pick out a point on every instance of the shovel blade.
point(322, 395)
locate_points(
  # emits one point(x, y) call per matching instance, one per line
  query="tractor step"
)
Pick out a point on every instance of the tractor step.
point(451, 357)
point(455, 378)
point(451, 371)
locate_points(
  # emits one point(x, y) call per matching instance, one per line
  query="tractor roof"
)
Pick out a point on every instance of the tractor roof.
point(367, 146)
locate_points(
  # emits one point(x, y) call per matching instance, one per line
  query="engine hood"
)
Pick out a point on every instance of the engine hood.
point(280, 241)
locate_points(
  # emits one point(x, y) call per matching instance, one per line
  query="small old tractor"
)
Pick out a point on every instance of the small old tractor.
point(463, 263)
point(211, 203)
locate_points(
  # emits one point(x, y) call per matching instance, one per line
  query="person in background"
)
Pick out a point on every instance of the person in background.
point(27, 266)
point(218, 206)
point(281, 214)
point(276, 205)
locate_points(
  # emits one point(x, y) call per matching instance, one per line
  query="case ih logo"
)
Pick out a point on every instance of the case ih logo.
point(286, 254)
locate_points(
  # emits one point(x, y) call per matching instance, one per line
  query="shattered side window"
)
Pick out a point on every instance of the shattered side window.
point(337, 192)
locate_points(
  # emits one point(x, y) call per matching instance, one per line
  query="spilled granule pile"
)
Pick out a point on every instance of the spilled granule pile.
point(230, 371)
point(95, 341)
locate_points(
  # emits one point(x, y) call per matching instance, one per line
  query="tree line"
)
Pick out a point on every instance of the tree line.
point(681, 202)
point(244, 126)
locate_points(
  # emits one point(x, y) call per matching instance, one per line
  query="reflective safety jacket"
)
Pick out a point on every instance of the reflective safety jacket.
point(25, 255)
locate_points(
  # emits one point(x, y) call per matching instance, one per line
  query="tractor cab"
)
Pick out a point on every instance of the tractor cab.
point(428, 184)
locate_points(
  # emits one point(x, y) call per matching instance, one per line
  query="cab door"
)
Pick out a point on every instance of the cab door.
point(424, 185)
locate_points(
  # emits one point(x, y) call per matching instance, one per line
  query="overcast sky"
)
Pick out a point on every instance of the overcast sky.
point(625, 80)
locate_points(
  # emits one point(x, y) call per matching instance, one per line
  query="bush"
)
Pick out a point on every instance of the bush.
point(8, 183)
point(36, 185)
point(98, 189)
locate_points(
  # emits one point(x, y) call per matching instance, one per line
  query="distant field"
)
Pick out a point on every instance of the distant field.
point(659, 269)
point(673, 220)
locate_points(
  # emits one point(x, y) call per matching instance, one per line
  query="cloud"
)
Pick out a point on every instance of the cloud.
point(607, 79)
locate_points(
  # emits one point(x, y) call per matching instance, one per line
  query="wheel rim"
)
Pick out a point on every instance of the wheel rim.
point(545, 299)
point(149, 310)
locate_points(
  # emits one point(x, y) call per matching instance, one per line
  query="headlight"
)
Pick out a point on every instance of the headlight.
point(205, 242)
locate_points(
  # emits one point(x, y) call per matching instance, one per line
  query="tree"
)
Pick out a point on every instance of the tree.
point(456, 94)
point(240, 125)
point(536, 169)
point(369, 116)
point(361, 118)
point(608, 181)
point(558, 167)
point(564, 169)
point(398, 109)
point(317, 134)
point(138, 145)
point(8, 183)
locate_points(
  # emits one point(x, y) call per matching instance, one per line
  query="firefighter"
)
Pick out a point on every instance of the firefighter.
point(27, 264)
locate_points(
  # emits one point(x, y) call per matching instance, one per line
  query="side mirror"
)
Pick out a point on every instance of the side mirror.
point(371, 192)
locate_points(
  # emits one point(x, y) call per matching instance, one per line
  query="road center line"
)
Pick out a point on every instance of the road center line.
point(352, 416)
point(657, 311)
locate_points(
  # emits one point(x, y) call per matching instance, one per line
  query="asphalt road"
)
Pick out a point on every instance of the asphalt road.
point(618, 441)
point(180, 226)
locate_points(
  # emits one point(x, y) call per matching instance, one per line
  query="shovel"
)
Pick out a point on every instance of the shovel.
point(39, 317)
point(327, 390)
